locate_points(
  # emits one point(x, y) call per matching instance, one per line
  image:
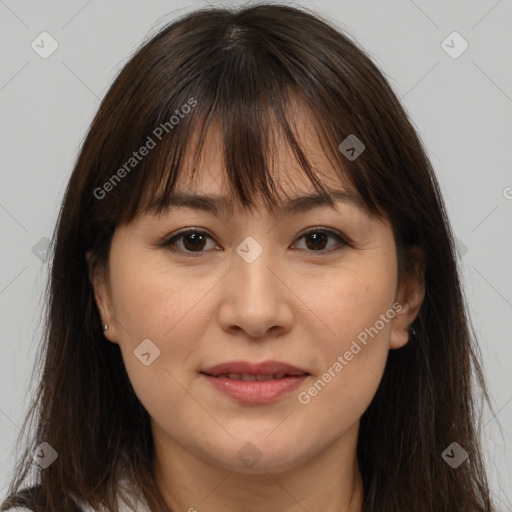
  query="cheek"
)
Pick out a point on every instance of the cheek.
point(150, 299)
point(151, 302)
point(357, 314)
point(351, 301)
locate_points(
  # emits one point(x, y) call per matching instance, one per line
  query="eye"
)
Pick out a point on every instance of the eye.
point(317, 239)
point(191, 240)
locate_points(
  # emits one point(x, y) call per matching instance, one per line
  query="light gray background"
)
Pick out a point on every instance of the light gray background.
point(462, 108)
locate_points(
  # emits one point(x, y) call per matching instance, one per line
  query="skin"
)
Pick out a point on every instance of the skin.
point(292, 304)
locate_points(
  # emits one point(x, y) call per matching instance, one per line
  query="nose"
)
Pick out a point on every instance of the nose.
point(256, 298)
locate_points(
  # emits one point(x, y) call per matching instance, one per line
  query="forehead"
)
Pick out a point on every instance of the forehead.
point(291, 180)
point(259, 171)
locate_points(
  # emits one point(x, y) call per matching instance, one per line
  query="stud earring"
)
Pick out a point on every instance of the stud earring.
point(105, 327)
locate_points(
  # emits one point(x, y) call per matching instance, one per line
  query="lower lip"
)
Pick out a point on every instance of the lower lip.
point(255, 391)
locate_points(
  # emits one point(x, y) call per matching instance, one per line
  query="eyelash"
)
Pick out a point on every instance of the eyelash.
point(169, 243)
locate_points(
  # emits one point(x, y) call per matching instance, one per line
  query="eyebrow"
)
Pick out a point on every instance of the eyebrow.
point(218, 205)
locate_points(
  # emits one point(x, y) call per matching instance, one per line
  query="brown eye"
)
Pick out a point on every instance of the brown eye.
point(191, 241)
point(318, 239)
point(194, 241)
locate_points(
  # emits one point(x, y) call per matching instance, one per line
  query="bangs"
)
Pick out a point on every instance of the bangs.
point(243, 83)
point(253, 126)
point(173, 105)
point(252, 133)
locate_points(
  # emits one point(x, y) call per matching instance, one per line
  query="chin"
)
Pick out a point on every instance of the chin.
point(257, 455)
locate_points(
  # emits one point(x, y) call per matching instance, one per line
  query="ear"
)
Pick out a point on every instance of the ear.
point(410, 295)
point(98, 277)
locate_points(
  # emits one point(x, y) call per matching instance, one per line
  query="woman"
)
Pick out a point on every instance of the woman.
point(254, 301)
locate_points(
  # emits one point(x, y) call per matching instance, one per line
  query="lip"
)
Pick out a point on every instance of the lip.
point(255, 391)
point(263, 368)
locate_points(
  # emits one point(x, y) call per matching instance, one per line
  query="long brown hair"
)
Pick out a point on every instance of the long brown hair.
point(242, 67)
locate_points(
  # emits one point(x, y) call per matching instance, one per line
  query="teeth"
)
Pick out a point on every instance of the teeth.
point(248, 377)
point(264, 377)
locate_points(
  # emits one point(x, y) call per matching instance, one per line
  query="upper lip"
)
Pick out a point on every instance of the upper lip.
point(263, 368)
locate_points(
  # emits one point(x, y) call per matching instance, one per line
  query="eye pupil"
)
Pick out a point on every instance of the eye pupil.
point(316, 240)
point(199, 239)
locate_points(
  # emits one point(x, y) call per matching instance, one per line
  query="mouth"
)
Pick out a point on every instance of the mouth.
point(247, 371)
point(247, 377)
point(248, 382)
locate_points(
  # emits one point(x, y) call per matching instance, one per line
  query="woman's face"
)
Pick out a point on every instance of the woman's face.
point(256, 287)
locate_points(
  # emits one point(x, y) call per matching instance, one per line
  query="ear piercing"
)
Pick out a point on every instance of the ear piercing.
point(105, 327)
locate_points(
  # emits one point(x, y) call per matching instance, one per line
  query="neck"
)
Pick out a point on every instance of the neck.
point(329, 482)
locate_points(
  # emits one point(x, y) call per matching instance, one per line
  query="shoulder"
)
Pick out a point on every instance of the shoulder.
point(22, 500)
point(27, 499)
point(30, 498)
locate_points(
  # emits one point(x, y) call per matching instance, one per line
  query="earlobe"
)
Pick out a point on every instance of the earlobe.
point(102, 298)
point(410, 295)
point(402, 329)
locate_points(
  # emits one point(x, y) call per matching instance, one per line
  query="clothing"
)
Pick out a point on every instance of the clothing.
point(139, 505)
